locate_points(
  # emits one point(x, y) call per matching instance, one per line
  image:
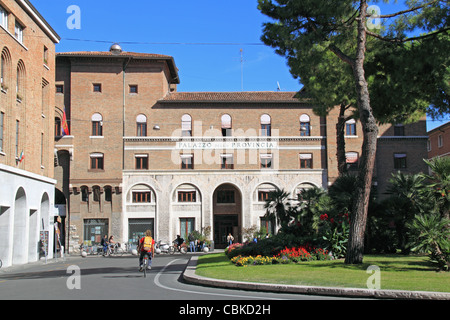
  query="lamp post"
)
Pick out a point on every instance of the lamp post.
point(115, 49)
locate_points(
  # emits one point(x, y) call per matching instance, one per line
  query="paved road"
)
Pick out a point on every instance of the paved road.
point(116, 278)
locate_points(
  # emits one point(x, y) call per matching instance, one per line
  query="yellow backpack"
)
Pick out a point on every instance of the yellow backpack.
point(148, 242)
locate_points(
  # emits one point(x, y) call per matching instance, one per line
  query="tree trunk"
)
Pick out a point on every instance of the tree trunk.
point(358, 223)
point(340, 141)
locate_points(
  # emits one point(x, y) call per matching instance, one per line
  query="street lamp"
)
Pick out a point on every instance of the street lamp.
point(115, 49)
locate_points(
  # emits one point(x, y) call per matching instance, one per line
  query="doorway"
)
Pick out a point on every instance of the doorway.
point(227, 208)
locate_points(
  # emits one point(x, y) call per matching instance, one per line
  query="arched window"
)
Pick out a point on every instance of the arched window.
point(266, 129)
point(5, 68)
point(108, 193)
point(96, 193)
point(141, 125)
point(186, 125)
point(226, 125)
point(20, 85)
point(84, 193)
point(305, 125)
point(97, 124)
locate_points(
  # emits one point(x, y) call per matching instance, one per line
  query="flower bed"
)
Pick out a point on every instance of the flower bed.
point(287, 255)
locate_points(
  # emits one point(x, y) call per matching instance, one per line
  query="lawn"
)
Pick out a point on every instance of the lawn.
point(398, 272)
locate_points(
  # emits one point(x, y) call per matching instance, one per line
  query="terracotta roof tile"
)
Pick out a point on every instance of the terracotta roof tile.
point(250, 96)
point(109, 54)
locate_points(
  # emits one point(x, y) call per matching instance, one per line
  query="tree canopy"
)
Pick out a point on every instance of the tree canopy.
point(342, 56)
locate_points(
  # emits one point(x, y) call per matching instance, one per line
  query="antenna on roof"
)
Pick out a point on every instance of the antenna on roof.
point(278, 86)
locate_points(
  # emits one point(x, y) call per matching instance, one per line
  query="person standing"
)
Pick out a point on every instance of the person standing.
point(230, 239)
point(191, 242)
point(146, 247)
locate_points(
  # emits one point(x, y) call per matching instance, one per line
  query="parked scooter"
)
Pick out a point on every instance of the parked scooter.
point(161, 247)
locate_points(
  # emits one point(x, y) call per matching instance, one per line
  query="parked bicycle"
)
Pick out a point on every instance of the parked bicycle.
point(114, 249)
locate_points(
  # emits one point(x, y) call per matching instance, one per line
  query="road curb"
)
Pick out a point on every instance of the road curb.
point(190, 276)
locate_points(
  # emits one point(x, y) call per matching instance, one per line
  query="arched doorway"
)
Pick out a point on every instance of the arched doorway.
point(20, 245)
point(60, 220)
point(227, 214)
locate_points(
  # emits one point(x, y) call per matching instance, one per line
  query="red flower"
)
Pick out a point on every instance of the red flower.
point(323, 217)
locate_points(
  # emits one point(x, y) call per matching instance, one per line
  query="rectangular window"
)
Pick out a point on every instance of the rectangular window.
point(97, 129)
point(95, 230)
point(187, 161)
point(268, 225)
point(141, 129)
point(440, 141)
point(263, 195)
point(97, 162)
point(399, 130)
point(18, 32)
point(133, 88)
point(59, 88)
point(3, 18)
point(399, 160)
point(305, 129)
point(225, 196)
point(266, 130)
point(305, 161)
point(97, 87)
point(141, 161)
point(187, 196)
point(141, 197)
point(45, 55)
point(266, 161)
point(350, 128)
point(227, 161)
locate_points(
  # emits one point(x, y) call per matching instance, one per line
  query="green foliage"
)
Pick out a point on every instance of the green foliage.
point(433, 238)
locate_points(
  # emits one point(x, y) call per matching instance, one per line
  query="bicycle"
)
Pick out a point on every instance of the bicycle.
point(181, 249)
point(114, 250)
point(145, 265)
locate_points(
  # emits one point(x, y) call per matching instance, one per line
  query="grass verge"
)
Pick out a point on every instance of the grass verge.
point(412, 273)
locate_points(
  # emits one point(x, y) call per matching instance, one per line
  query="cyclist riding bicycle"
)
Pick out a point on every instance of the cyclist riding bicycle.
point(146, 247)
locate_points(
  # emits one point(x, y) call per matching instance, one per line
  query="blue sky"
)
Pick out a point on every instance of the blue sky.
point(176, 28)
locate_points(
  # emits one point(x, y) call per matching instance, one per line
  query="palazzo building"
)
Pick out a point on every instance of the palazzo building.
point(27, 100)
point(141, 155)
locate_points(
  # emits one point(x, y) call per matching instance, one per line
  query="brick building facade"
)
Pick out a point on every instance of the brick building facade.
point(27, 189)
point(142, 155)
point(438, 141)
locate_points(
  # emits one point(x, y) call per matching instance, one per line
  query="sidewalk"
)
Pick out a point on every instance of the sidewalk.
point(190, 276)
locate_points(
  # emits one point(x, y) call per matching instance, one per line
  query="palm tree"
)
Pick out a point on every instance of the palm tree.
point(408, 197)
point(278, 207)
point(312, 202)
point(440, 183)
point(433, 237)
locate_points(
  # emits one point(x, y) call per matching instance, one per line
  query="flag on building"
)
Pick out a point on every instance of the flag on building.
point(65, 126)
point(21, 157)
